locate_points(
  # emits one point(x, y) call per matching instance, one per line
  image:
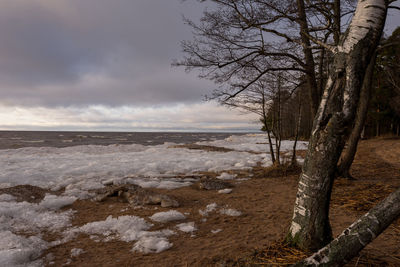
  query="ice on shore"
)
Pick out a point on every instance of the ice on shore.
point(6, 198)
point(209, 208)
point(53, 202)
point(81, 168)
point(226, 176)
point(225, 191)
point(167, 216)
point(32, 217)
point(152, 244)
point(16, 250)
point(252, 142)
point(230, 212)
point(127, 229)
point(186, 227)
point(75, 252)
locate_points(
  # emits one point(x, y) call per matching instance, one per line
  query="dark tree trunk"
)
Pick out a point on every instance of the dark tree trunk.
point(348, 155)
point(310, 228)
point(294, 160)
point(347, 245)
point(315, 94)
point(267, 129)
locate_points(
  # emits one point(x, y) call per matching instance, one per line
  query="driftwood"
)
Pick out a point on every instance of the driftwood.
point(135, 195)
point(208, 184)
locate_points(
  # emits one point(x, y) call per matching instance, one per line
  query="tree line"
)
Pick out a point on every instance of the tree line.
point(316, 69)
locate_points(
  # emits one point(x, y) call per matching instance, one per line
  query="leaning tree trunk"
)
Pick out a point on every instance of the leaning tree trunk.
point(347, 245)
point(310, 228)
point(347, 157)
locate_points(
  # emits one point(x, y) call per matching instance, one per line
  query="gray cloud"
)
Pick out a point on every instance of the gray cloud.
point(74, 52)
point(86, 52)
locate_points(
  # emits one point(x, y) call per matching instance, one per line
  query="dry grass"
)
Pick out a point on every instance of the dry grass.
point(277, 254)
point(361, 196)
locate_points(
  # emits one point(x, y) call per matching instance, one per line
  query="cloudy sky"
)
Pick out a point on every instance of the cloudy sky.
point(103, 65)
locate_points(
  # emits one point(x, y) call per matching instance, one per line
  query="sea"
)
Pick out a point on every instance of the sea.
point(19, 139)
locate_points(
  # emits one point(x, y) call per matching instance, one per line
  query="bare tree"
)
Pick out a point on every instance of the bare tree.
point(250, 38)
point(266, 98)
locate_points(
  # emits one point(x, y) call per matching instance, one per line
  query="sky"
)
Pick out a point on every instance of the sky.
point(104, 65)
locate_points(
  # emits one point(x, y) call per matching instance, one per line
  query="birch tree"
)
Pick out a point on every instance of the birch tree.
point(310, 228)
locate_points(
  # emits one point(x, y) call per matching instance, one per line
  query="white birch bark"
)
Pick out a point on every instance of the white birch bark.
point(310, 228)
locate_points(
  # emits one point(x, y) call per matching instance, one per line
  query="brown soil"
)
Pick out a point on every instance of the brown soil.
point(266, 204)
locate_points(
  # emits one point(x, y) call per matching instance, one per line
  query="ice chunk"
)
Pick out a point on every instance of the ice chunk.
point(76, 252)
point(186, 227)
point(53, 202)
point(230, 212)
point(209, 208)
point(31, 217)
point(20, 251)
point(167, 216)
point(6, 198)
point(216, 231)
point(226, 176)
point(225, 191)
point(152, 244)
point(126, 228)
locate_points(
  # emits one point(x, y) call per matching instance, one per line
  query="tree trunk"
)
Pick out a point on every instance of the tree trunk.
point(264, 116)
point(294, 160)
point(348, 156)
point(310, 228)
point(315, 95)
point(347, 245)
